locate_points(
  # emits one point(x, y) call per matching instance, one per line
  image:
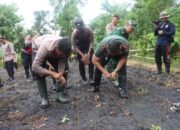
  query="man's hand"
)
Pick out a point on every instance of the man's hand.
point(61, 81)
point(160, 32)
point(113, 75)
point(107, 75)
point(57, 75)
point(85, 59)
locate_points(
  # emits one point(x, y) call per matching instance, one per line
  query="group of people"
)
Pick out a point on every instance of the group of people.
point(48, 54)
point(56, 50)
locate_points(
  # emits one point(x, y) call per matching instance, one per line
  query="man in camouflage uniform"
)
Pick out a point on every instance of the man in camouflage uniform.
point(123, 32)
point(116, 48)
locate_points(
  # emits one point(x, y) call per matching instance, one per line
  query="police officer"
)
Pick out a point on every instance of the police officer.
point(82, 39)
point(116, 48)
point(56, 51)
point(26, 53)
point(8, 56)
point(164, 31)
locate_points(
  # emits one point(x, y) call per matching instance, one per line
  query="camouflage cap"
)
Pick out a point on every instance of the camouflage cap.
point(132, 23)
point(164, 14)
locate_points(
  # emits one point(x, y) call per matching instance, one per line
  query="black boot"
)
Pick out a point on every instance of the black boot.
point(95, 88)
point(122, 87)
point(167, 67)
point(1, 85)
point(159, 69)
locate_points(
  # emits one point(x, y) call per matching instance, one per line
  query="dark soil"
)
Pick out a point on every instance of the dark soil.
point(153, 102)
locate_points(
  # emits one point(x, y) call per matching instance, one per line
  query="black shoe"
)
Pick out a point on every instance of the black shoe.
point(1, 85)
point(159, 71)
point(95, 89)
point(123, 94)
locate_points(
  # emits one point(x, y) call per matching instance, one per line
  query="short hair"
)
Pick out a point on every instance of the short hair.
point(113, 46)
point(64, 45)
point(115, 15)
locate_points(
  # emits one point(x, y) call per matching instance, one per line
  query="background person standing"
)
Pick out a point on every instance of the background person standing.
point(8, 57)
point(26, 53)
point(165, 30)
point(111, 26)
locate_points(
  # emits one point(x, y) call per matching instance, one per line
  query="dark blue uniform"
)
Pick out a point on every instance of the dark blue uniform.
point(163, 45)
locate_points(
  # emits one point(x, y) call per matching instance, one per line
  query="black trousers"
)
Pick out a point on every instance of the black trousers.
point(9, 66)
point(122, 74)
point(163, 51)
point(27, 63)
point(82, 67)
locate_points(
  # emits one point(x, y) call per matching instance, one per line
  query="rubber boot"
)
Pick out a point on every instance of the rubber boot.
point(159, 69)
point(60, 94)
point(41, 84)
point(1, 85)
point(167, 68)
point(95, 89)
point(122, 87)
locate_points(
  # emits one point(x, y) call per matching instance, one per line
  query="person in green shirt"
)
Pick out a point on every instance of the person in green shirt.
point(116, 48)
point(123, 32)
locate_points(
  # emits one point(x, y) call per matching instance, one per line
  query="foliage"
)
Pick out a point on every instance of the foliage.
point(157, 127)
point(100, 22)
point(10, 25)
point(146, 41)
point(42, 22)
point(146, 11)
point(98, 26)
point(64, 13)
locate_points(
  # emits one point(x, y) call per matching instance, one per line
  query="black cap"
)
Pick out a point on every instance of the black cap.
point(79, 23)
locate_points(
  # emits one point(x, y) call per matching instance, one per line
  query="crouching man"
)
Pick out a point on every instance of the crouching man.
point(55, 50)
point(114, 48)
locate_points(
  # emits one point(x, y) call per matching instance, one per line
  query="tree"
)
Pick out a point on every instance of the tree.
point(42, 22)
point(146, 11)
point(10, 25)
point(64, 13)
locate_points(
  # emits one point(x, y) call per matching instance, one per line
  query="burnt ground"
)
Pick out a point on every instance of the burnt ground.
point(152, 104)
